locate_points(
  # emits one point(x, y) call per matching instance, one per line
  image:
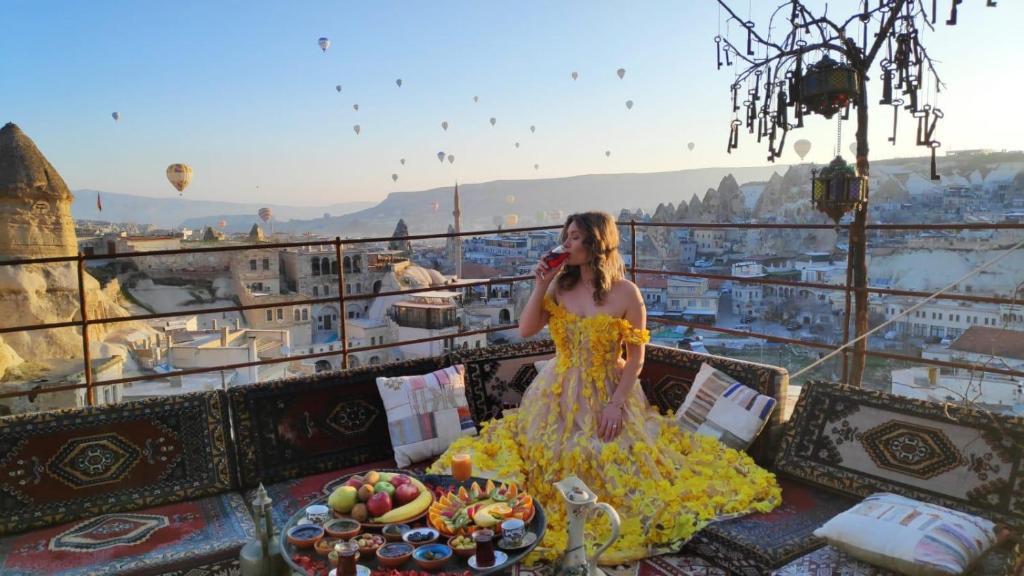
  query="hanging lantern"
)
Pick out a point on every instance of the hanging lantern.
point(828, 86)
point(837, 189)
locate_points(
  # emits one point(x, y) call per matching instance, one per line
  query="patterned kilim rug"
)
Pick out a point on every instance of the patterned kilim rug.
point(666, 565)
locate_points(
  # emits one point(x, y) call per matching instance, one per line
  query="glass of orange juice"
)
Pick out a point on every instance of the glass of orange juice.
point(462, 466)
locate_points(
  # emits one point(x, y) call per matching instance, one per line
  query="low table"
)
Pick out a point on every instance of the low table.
point(537, 525)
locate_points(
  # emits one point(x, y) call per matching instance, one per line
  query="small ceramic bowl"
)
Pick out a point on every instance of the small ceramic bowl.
point(394, 554)
point(325, 545)
point(305, 536)
point(393, 532)
point(318, 513)
point(421, 536)
point(342, 528)
point(467, 549)
point(432, 556)
point(368, 543)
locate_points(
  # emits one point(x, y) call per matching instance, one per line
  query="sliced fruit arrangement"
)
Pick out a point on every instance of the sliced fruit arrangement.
point(464, 511)
point(381, 498)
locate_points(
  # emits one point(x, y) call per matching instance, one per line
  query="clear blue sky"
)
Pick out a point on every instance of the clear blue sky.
point(240, 91)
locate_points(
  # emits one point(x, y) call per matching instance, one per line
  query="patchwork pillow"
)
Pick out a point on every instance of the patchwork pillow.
point(910, 536)
point(426, 413)
point(720, 407)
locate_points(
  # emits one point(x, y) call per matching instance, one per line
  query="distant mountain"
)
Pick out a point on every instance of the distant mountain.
point(533, 202)
point(181, 211)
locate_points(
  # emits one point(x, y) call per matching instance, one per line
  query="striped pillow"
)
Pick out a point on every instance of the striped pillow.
point(909, 536)
point(426, 413)
point(722, 408)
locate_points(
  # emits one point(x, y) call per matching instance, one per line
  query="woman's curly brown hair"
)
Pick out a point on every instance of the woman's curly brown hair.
point(601, 237)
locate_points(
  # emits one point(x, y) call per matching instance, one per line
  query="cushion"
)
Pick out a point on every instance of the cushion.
point(756, 543)
point(168, 538)
point(302, 426)
point(669, 372)
point(831, 560)
point(497, 376)
point(426, 413)
point(864, 441)
point(719, 406)
point(68, 464)
point(910, 537)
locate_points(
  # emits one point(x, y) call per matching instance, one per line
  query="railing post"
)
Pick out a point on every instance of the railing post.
point(632, 251)
point(341, 303)
point(87, 362)
point(846, 313)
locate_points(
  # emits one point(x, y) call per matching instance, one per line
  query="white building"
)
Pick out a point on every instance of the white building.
point(692, 299)
point(946, 318)
point(430, 315)
point(748, 298)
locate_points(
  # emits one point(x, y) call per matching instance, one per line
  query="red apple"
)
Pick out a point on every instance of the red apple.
point(355, 481)
point(406, 493)
point(379, 504)
point(399, 479)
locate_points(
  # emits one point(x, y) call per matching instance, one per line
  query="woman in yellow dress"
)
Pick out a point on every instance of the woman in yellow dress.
point(586, 415)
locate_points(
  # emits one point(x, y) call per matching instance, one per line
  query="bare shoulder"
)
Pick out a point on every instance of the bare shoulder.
point(625, 292)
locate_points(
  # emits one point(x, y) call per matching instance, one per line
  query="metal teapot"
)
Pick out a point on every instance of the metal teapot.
point(580, 501)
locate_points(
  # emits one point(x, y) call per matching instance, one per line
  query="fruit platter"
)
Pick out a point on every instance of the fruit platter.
point(405, 539)
point(378, 498)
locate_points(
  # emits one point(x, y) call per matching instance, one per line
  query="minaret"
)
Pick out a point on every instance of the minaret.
point(457, 213)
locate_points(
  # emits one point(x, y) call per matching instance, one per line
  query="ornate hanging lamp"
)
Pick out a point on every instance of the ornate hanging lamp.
point(837, 189)
point(828, 86)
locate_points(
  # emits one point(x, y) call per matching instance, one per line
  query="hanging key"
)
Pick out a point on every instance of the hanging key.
point(718, 51)
point(952, 13)
point(936, 114)
point(735, 93)
point(750, 37)
point(895, 117)
point(922, 124)
point(934, 145)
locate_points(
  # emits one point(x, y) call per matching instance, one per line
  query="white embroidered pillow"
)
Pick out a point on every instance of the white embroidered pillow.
point(426, 413)
point(720, 407)
point(910, 536)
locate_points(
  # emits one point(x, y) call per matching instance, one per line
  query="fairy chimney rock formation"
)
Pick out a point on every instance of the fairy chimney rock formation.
point(35, 203)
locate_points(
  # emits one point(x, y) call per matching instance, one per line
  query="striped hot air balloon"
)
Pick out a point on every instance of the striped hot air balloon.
point(179, 175)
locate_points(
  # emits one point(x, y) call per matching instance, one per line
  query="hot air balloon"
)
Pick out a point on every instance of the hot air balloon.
point(265, 214)
point(802, 147)
point(356, 128)
point(607, 153)
point(690, 146)
point(402, 160)
point(574, 75)
point(476, 98)
point(355, 107)
point(435, 205)
point(493, 120)
point(629, 104)
point(533, 129)
point(116, 116)
point(222, 223)
point(853, 148)
point(536, 166)
point(510, 199)
point(324, 43)
point(338, 87)
point(440, 156)
point(179, 175)
point(511, 219)
point(621, 72)
point(451, 158)
point(444, 126)
point(398, 82)
point(394, 177)
point(517, 144)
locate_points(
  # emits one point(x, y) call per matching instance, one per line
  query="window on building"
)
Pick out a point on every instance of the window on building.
point(373, 340)
point(298, 315)
point(252, 264)
point(316, 266)
point(316, 290)
point(266, 263)
point(348, 288)
point(305, 314)
point(359, 287)
point(280, 314)
point(270, 315)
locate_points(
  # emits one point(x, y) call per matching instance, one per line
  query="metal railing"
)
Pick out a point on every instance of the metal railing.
point(84, 321)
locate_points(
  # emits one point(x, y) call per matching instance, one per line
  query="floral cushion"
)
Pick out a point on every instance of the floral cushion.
point(910, 537)
point(426, 413)
point(719, 406)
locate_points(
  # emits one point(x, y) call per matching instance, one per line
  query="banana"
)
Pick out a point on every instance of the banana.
point(410, 509)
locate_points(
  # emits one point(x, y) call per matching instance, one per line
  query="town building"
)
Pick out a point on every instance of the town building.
point(748, 297)
point(691, 299)
point(433, 314)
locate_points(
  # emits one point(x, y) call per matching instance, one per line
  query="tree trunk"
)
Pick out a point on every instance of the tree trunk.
point(858, 243)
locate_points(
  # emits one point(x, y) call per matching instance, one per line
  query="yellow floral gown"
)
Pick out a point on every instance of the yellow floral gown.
point(666, 484)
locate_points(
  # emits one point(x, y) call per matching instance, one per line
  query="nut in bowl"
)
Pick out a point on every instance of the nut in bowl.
point(432, 556)
point(421, 536)
point(342, 528)
point(325, 545)
point(462, 546)
point(394, 554)
point(368, 543)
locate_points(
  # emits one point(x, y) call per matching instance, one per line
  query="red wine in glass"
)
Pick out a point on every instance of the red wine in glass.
point(555, 257)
